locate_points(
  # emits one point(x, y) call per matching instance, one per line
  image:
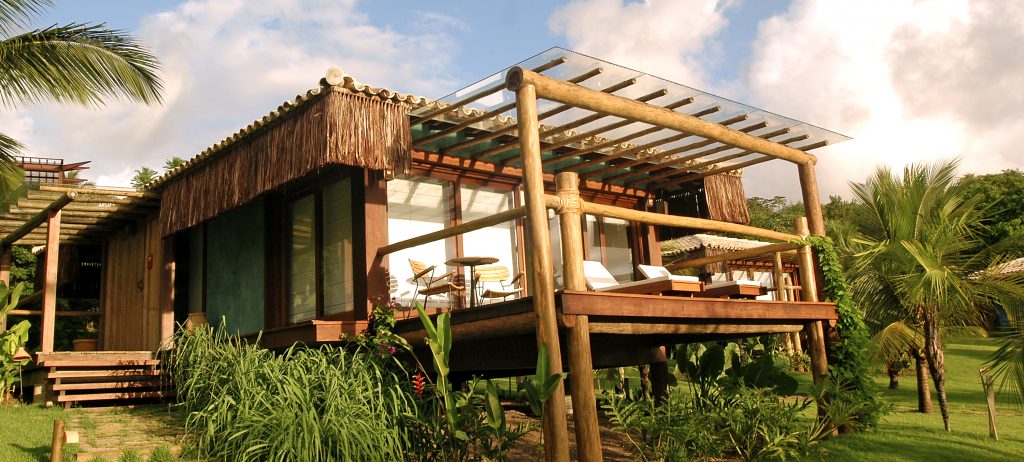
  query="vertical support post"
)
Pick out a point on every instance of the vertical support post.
point(370, 196)
point(50, 280)
point(779, 280)
point(57, 443)
point(581, 363)
point(815, 331)
point(541, 274)
point(5, 277)
point(167, 275)
point(812, 200)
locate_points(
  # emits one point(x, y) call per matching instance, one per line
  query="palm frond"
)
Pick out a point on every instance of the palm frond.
point(77, 63)
point(896, 339)
point(16, 14)
point(12, 178)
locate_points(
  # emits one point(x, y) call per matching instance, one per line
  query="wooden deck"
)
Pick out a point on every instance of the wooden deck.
point(626, 329)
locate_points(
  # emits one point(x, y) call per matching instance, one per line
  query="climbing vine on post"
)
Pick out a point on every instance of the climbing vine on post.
point(848, 358)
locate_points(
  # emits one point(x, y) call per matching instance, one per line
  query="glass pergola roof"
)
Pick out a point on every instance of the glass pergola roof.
point(479, 122)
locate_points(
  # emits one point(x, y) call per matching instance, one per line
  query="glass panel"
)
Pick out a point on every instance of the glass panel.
point(301, 295)
point(617, 251)
point(417, 206)
point(593, 238)
point(337, 252)
point(498, 241)
point(555, 230)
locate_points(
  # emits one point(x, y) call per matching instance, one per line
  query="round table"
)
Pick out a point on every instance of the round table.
point(472, 263)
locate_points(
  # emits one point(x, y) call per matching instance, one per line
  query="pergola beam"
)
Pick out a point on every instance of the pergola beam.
point(38, 219)
point(567, 93)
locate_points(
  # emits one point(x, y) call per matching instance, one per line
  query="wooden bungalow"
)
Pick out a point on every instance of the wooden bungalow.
point(293, 225)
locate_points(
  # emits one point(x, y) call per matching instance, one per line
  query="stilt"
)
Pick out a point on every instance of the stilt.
point(50, 280)
point(581, 367)
point(541, 275)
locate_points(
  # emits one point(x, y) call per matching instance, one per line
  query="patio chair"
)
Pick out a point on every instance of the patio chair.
point(497, 274)
point(599, 279)
point(654, 272)
point(423, 275)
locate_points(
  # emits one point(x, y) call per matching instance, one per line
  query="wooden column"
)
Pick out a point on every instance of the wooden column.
point(812, 200)
point(541, 274)
point(370, 196)
point(167, 292)
point(815, 331)
point(581, 363)
point(50, 280)
point(5, 277)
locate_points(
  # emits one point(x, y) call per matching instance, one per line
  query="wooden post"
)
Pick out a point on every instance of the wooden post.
point(815, 331)
point(5, 277)
point(167, 292)
point(541, 274)
point(812, 200)
point(50, 280)
point(581, 364)
point(57, 443)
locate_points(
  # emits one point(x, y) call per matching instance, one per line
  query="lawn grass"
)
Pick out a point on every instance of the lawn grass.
point(27, 431)
point(907, 435)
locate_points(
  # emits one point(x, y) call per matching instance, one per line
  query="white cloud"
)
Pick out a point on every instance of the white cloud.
point(670, 39)
point(909, 80)
point(229, 62)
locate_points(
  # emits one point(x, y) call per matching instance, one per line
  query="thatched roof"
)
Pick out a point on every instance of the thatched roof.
point(679, 246)
point(1012, 266)
point(341, 122)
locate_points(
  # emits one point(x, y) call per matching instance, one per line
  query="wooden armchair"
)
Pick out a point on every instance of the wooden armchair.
point(423, 275)
point(497, 274)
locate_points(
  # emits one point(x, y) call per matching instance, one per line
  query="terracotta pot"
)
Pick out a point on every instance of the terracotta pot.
point(195, 320)
point(85, 344)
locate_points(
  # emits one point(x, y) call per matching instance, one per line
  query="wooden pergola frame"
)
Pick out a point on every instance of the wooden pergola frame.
point(530, 86)
point(72, 215)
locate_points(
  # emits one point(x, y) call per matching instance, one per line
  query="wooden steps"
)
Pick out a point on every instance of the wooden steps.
point(98, 376)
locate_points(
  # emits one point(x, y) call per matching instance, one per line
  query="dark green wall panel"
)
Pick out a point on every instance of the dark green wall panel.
point(234, 268)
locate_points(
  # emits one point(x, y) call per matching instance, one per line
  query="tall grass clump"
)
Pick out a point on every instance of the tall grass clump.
point(328, 404)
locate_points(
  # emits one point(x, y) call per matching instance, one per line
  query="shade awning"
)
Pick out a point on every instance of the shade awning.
point(478, 122)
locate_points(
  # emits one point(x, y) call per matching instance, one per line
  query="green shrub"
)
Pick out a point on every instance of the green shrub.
point(162, 453)
point(246, 403)
point(129, 455)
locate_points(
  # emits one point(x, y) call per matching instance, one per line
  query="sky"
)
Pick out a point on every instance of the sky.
point(908, 80)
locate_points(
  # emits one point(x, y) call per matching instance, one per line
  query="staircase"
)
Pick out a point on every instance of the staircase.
point(105, 377)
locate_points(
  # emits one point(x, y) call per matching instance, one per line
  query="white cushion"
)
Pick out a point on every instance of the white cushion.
point(738, 282)
point(597, 275)
point(651, 271)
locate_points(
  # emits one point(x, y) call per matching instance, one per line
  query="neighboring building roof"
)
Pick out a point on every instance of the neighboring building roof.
point(1012, 266)
point(685, 244)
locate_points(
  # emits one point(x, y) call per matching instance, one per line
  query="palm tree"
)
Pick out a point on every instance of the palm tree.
point(84, 64)
point(917, 255)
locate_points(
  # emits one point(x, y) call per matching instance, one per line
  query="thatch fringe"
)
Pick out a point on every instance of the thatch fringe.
point(335, 128)
point(726, 199)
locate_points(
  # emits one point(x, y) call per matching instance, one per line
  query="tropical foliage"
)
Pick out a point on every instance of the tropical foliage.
point(917, 256)
point(11, 340)
point(83, 64)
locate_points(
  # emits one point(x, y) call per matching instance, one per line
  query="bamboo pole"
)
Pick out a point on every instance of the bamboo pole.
point(666, 176)
point(57, 443)
point(815, 330)
point(581, 363)
point(683, 222)
point(38, 219)
point(556, 438)
point(555, 90)
point(50, 280)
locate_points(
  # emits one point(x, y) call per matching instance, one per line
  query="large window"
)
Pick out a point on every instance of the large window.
point(608, 243)
point(498, 241)
point(319, 273)
point(416, 207)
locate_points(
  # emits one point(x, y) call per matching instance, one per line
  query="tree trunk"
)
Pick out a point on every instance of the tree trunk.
point(924, 392)
point(645, 379)
point(936, 361)
point(894, 376)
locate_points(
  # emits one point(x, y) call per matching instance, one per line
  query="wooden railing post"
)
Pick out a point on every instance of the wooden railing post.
point(815, 331)
point(50, 280)
point(541, 274)
point(581, 363)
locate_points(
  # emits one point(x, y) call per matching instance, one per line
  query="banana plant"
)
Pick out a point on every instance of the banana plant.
point(11, 340)
point(542, 384)
point(439, 339)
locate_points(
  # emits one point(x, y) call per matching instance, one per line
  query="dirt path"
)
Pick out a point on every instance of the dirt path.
point(106, 432)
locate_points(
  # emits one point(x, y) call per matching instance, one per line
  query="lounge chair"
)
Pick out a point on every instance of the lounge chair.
point(740, 288)
point(497, 274)
point(423, 275)
point(599, 279)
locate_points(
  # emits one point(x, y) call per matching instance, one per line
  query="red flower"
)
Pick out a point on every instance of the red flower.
point(419, 381)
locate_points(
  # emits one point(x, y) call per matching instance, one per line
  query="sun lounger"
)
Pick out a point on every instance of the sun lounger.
point(599, 279)
point(740, 288)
